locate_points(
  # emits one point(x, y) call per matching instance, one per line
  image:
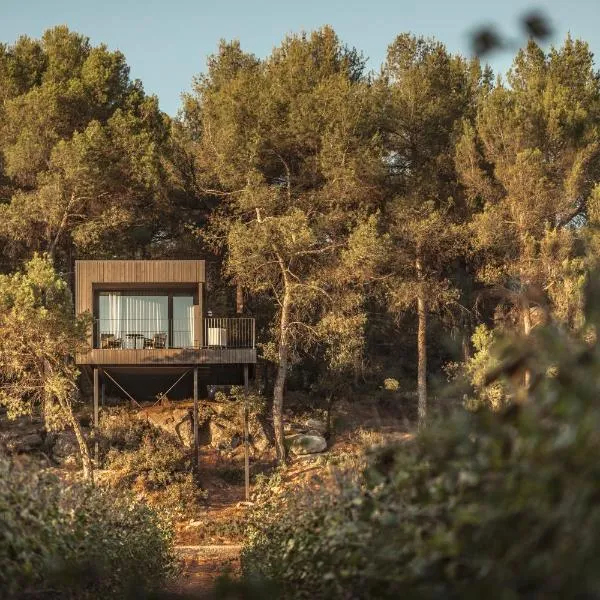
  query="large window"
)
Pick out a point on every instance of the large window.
point(183, 321)
point(138, 320)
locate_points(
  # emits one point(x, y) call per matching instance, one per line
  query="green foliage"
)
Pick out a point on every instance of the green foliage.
point(39, 336)
point(476, 369)
point(76, 541)
point(391, 384)
point(481, 505)
point(120, 430)
point(83, 149)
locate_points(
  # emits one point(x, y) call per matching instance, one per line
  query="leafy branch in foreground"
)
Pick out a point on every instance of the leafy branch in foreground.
point(483, 504)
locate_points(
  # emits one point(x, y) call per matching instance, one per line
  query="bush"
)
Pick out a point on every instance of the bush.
point(160, 470)
point(493, 396)
point(77, 541)
point(119, 429)
point(491, 504)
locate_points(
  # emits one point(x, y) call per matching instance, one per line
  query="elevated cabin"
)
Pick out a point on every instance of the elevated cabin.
point(151, 333)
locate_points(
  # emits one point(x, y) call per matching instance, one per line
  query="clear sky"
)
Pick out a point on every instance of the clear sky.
point(166, 42)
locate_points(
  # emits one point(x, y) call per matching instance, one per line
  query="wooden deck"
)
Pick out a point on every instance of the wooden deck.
point(170, 356)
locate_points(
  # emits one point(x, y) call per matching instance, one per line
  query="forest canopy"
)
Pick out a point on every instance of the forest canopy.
point(381, 225)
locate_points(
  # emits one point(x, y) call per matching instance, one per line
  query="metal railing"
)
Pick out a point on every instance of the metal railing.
point(143, 334)
point(229, 332)
point(162, 333)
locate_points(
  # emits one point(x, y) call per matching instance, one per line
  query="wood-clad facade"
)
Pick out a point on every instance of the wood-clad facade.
point(169, 276)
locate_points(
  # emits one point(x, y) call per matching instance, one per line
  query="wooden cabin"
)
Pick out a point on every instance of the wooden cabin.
point(151, 333)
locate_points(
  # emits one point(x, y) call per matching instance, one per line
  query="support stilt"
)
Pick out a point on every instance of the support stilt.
point(96, 411)
point(196, 445)
point(246, 441)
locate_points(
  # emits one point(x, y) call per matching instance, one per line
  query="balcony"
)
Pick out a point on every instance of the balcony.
point(160, 334)
point(213, 340)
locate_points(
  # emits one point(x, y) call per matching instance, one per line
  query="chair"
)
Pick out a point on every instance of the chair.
point(148, 342)
point(160, 340)
point(115, 343)
point(108, 340)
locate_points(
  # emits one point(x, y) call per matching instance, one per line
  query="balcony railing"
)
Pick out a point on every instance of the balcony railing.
point(159, 333)
point(228, 332)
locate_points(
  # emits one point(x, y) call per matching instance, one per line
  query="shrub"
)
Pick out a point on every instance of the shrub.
point(493, 396)
point(119, 429)
point(160, 470)
point(491, 504)
point(76, 541)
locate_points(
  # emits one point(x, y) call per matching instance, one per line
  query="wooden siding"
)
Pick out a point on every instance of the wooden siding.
point(169, 356)
point(90, 274)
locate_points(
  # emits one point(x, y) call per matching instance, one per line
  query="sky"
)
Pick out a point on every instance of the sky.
point(167, 42)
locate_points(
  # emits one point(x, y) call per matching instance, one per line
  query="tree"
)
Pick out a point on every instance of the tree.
point(430, 92)
point(38, 337)
point(291, 146)
point(82, 150)
point(529, 164)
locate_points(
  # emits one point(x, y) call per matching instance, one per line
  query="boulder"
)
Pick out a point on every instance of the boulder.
point(175, 421)
point(65, 449)
point(306, 444)
point(28, 442)
point(316, 425)
point(222, 432)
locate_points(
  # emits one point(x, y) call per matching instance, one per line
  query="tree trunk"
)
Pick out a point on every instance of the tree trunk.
point(86, 461)
point(526, 330)
point(421, 346)
point(280, 377)
point(239, 298)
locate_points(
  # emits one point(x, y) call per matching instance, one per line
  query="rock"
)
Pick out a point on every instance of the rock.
point(66, 449)
point(306, 444)
point(222, 432)
point(316, 425)
point(291, 428)
point(175, 421)
point(24, 443)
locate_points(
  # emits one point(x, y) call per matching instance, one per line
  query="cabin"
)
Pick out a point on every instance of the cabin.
point(151, 334)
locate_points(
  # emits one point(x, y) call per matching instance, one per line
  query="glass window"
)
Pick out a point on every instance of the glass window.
point(183, 321)
point(133, 320)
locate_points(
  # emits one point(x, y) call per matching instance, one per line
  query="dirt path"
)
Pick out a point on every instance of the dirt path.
point(202, 565)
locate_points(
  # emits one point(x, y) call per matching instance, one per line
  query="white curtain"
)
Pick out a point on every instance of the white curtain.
point(183, 321)
point(132, 318)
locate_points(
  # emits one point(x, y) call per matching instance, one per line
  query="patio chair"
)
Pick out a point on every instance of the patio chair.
point(160, 340)
point(109, 340)
point(115, 343)
point(105, 340)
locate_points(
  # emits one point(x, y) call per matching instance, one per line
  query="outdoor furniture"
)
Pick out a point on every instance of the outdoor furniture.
point(160, 340)
point(110, 341)
point(115, 343)
point(106, 339)
point(148, 343)
point(217, 336)
point(134, 341)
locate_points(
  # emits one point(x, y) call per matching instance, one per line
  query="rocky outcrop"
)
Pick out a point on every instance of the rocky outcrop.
point(304, 443)
point(220, 425)
point(23, 435)
point(314, 425)
point(65, 449)
point(177, 421)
